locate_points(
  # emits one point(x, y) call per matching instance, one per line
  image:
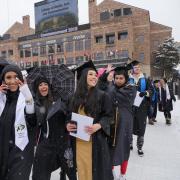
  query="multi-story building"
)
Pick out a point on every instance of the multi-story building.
point(115, 33)
point(9, 41)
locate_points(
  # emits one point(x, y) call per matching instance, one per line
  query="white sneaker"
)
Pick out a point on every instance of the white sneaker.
point(116, 172)
point(116, 177)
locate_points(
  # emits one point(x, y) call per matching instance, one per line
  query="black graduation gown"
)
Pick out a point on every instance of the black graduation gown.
point(50, 151)
point(18, 163)
point(123, 98)
point(141, 112)
point(101, 161)
point(164, 103)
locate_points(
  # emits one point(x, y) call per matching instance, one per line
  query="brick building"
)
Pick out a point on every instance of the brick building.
point(9, 41)
point(115, 32)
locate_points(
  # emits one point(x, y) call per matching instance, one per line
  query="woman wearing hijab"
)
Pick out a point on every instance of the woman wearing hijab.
point(92, 157)
point(53, 150)
point(166, 96)
point(122, 95)
point(16, 119)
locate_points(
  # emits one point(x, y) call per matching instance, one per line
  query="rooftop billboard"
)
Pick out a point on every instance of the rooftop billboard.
point(52, 15)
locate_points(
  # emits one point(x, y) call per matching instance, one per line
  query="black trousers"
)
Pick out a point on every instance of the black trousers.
point(49, 157)
point(152, 112)
point(167, 114)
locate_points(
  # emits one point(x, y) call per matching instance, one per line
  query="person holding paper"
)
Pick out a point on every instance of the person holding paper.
point(92, 157)
point(52, 149)
point(140, 113)
point(16, 124)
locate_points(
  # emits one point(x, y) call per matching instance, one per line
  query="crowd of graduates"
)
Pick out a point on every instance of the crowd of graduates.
point(35, 129)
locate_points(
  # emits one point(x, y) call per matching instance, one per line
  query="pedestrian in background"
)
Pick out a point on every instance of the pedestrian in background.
point(166, 96)
point(144, 88)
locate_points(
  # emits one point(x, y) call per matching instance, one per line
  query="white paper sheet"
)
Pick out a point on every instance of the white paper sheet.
point(138, 100)
point(82, 122)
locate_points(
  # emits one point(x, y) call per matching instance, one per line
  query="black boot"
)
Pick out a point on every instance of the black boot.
point(168, 121)
point(151, 122)
point(140, 152)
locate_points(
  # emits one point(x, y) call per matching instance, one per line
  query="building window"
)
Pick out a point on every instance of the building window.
point(51, 59)
point(110, 54)
point(99, 39)
point(87, 44)
point(110, 39)
point(141, 56)
point(51, 49)
point(28, 64)
point(70, 60)
point(69, 47)
point(43, 63)
point(117, 12)
point(60, 60)
point(123, 54)
point(99, 56)
point(127, 11)
point(104, 15)
point(21, 64)
point(21, 53)
point(10, 52)
point(60, 48)
point(35, 64)
point(122, 35)
point(79, 45)
point(35, 51)
point(3, 54)
point(43, 50)
point(79, 60)
point(140, 38)
point(28, 53)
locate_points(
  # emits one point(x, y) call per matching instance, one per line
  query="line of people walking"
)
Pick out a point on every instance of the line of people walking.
point(35, 128)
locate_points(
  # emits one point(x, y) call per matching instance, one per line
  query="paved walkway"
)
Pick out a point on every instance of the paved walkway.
point(162, 152)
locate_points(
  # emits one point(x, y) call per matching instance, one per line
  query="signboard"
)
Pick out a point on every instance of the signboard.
point(53, 15)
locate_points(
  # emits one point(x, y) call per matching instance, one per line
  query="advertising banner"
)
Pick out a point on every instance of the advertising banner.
point(54, 15)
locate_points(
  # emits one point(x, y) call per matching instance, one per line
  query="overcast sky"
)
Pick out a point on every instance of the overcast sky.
point(166, 12)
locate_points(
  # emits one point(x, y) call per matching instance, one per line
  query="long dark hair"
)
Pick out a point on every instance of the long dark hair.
point(85, 98)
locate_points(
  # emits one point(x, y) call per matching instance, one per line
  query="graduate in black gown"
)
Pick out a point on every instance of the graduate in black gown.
point(92, 157)
point(143, 86)
point(16, 125)
point(166, 96)
point(122, 95)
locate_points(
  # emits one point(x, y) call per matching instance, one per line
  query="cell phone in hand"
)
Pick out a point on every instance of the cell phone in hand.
point(75, 123)
point(5, 90)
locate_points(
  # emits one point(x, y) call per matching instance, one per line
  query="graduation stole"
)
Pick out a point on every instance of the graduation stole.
point(21, 133)
point(142, 87)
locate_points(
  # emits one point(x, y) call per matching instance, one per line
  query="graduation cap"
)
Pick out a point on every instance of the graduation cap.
point(132, 64)
point(121, 70)
point(87, 65)
point(79, 70)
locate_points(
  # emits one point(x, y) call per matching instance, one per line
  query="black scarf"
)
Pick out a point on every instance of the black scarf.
point(7, 133)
